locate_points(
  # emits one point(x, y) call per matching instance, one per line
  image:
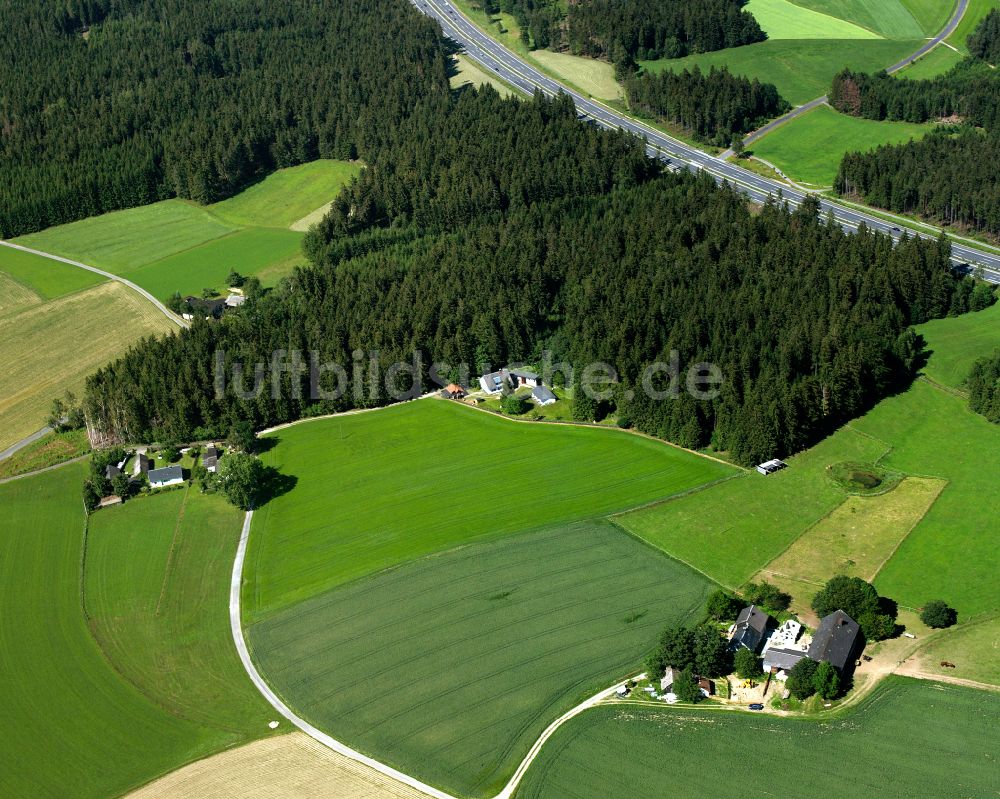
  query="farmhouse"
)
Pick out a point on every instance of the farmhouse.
point(770, 467)
point(750, 629)
point(141, 464)
point(167, 476)
point(838, 641)
point(522, 377)
point(543, 395)
point(495, 382)
point(210, 460)
point(453, 391)
point(780, 659)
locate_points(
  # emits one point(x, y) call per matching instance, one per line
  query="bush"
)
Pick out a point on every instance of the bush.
point(722, 606)
point(938, 615)
point(826, 681)
point(685, 686)
point(747, 664)
point(767, 595)
point(859, 600)
point(800, 678)
point(514, 405)
point(91, 498)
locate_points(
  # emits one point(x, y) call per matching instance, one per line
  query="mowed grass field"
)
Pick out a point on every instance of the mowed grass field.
point(731, 531)
point(377, 489)
point(974, 13)
point(468, 73)
point(908, 739)
point(802, 69)
point(74, 726)
point(451, 667)
point(958, 342)
point(936, 62)
point(49, 347)
point(156, 593)
point(809, 149)
point(783, 19)
point(176, 245)
point(292, 766)
point(892, 19)
point(974, 650)
point(856, 539)
point(596, 78)
point(23, 274)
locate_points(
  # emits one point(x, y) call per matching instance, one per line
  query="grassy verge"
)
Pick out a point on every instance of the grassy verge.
point(47, 451)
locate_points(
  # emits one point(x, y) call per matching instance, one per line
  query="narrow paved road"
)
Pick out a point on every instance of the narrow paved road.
point(111, 276)
point(494, 57)
point(947, 31)
point(23, 443)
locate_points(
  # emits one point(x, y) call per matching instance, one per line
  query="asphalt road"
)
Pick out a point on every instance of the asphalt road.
point(494, 57)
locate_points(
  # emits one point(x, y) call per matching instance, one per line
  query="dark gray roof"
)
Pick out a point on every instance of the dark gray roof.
point(111, 470)
point(166, 474)
point(543, 394)
point(836, 640)
point(782, 658)
point(524, 373)
point(143, 462)
point(210, 462)
point(751, 627)
point(211, 451)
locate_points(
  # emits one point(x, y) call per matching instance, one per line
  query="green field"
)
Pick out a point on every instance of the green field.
point(267, 253)
point(176, 245)
point(974, 14)
point(908, 739)
point(892, 19)
point(958, 342)
point(47, 451)
point(936, 62)
point(596, 78)
point(925, 431)
point(801, 69)
point(376, 489)
point(285, 196)
point(809, 149)
point(973, 649)
point(783, 19)
point(156, 594)
point(469, 73)
point(450, 668)
point(42, 276)
point(75, 727)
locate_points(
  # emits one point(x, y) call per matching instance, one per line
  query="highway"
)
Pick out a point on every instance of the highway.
point(494, 57)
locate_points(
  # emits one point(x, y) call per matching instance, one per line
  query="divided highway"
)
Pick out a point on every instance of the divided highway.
point(492, 55)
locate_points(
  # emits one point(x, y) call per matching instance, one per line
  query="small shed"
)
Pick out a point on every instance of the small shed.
point(770, 467)
point(543, 395)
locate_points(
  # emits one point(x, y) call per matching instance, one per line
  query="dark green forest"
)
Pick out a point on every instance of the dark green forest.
point(951, 176)
point(624, 31)
point(118, 103)
point(984, 387)
point(714, 107)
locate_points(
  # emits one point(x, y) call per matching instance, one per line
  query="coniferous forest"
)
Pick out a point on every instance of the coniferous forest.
point(951, 176)
point(984, 387)
point(118, 103)
point(714, 107)
point(483, 230)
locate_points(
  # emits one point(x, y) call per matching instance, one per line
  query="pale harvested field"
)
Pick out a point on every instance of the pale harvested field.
point(50, 347)
point(285, 767)
point(310, 219)
point(15, 296)
point(855, 539)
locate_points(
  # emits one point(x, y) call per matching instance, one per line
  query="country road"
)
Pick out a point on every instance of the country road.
point(494, 57)
point(111, 276)
point(945, 32)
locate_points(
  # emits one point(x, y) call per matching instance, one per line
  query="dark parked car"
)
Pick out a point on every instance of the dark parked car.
point(756, 706)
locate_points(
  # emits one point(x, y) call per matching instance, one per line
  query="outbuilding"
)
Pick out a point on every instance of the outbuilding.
point(750, 629)
point(838, 641)
point(543, 395)
point(770, 467)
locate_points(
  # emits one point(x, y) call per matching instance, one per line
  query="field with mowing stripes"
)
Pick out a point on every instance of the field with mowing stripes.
point(783, 19)
point(891, 19)
point(49, 347)
point(75, 727)
point(377, 489)
point(156, 594)
point(176, 245)
point(22, 272)
point(907, 739)
point(810, 148)
point(449, 668)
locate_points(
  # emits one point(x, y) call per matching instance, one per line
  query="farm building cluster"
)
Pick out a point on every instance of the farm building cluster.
point(505, 380)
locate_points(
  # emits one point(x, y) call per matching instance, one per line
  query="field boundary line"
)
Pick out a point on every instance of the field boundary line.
point(943, 485)
point(110, 275)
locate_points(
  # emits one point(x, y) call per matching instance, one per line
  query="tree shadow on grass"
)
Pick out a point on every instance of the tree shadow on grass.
point(266, 444)
point(273, 484)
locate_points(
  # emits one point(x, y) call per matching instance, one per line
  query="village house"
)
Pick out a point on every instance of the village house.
point(166, 476)
point(453, 391)
point(750, 630)
point(141, 464)
point(210, 459)
point(838, 641)
point(543, 395)
point(512, 379)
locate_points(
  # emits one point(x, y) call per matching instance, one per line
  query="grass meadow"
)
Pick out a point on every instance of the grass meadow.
point(801, 69)
point(936, 62)
point(973, 648)
point(595, 77)
point(783, 19)
point(377, 489)
point(22, 272)
point(809, 149)
point(909, 738)
point(156, 594)
point(176, 245)
point(891, 19)
point(974, 13)
point(47, 451)
point(75, 726)
point(468, 73)
point(450, 667)
point(958, 342)
point(49, 347)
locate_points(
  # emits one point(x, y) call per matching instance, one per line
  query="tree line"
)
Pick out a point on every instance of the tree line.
point(809, 325)
point(951, 175)
point(624, 31)
point(118, 103)
point(984, 387)
point(715, 107)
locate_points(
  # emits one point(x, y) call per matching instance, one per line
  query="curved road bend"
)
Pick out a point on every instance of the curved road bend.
point(947, 31)
point(492, 55)
point(138, 289)
point(320, 736)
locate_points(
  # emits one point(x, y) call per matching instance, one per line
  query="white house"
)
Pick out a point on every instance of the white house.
point(167, 476)
point(770, 467)
point(543, 395)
